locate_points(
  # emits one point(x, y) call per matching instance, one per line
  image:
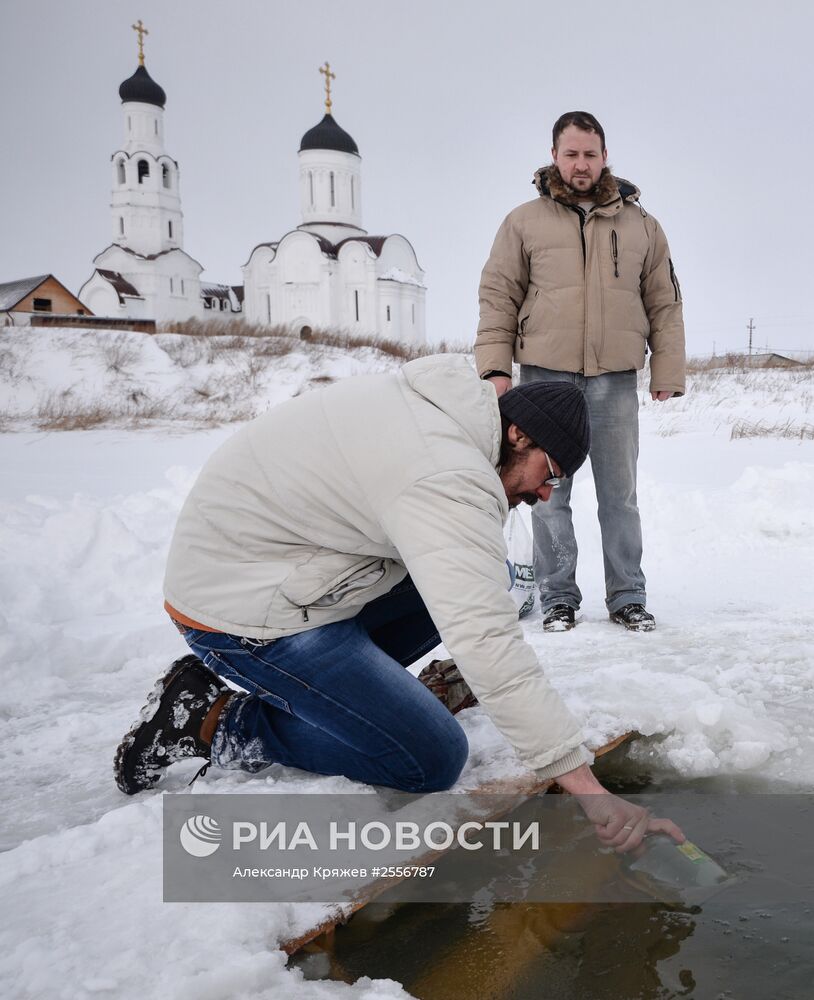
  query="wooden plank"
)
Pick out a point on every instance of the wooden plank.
point(516, 790)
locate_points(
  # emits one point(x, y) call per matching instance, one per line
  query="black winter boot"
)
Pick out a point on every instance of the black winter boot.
point(634, 617)
point(169, 725)
point(559, 618)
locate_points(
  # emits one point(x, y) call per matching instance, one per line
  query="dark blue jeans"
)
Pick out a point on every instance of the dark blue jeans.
point(337, 699)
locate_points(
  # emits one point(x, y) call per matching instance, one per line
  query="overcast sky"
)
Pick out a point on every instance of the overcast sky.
point(706, 107)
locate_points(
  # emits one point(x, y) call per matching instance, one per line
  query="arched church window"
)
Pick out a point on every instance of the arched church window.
point(143, 170)
point(169, 228)
point(165, 175)
point(333, 192)
point(129, 124)
point(121, 226)
point(182, 287)
point(311, 188)
point(353, 200)
point(356, 304)
point(155, 126)
point(413, 311)
point(388, 314)
point(120, 175)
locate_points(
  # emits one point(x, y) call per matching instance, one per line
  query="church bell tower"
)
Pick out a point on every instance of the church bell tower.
point(146, 202)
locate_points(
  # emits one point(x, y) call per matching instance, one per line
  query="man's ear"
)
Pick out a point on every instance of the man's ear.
point(518, 439)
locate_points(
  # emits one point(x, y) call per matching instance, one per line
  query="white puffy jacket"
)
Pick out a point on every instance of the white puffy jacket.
point(331, 498)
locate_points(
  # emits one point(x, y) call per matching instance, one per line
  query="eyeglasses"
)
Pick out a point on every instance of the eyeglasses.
point(553, 481)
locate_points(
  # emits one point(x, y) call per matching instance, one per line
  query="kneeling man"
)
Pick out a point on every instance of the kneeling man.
point(334, 541)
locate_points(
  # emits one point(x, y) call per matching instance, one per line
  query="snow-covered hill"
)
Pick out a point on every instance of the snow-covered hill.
point(723, 688)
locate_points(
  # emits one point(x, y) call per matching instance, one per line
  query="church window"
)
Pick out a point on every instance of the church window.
point(333, 193)
point(42, 305)
point(143, 170)
point(356, 303)
point(182, 287)
point(120, 171)
point(165, 175)
point(413, 311)
point(121, 226)
point(129, 124)
point(155, 126)
point(172, 287)
point(169, 228)
point(311, 187)
point(268, 307)
point(353, 200)
point(388, 314)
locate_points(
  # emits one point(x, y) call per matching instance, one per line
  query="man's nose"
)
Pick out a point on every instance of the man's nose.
point(544, 492)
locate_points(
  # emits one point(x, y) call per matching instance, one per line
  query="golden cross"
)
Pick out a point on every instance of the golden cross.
point(142, 31)
point(326, 71)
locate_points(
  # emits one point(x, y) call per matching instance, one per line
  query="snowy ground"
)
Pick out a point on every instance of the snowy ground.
point(724, 684)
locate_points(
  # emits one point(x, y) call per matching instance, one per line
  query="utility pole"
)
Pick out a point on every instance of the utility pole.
point(751, 329)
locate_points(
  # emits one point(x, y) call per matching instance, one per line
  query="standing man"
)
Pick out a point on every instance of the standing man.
point(578, 286)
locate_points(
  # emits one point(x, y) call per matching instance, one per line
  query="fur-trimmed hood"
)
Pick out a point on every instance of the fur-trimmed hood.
point(550, 184)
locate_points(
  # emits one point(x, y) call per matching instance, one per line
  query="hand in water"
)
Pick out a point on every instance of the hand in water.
point(618, 823)
point(621, 824)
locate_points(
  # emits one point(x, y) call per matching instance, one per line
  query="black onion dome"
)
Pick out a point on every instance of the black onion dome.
point(142, 87)
point(328, 135)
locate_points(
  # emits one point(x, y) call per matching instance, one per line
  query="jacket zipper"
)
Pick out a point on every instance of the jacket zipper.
point(674, 279)
point(581, 215)
point(304, 614)
point(615, 252)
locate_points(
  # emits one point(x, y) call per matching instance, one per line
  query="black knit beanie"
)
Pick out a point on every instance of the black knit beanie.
point(555, 416)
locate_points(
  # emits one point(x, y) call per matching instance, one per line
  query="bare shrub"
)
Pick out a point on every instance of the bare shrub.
point(119, 353)
point(187, 351)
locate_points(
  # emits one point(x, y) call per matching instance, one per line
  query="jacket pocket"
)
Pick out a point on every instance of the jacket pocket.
point(304, 589)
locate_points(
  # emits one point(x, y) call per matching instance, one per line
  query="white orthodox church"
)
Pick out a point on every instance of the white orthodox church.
point(328, 272)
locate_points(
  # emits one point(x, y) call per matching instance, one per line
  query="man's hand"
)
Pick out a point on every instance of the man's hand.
point(660, 396)
point(501, 384)
point(618, 823)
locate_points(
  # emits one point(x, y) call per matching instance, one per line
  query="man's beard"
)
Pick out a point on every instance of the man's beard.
point(586, 194)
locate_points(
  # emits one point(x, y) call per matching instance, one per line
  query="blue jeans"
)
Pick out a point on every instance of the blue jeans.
point(613, 409)
point(337, 699)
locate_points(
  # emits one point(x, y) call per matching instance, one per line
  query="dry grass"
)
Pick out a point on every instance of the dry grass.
point(231, 335)
point(735, 362)
point(762, 428)
point(62, 412)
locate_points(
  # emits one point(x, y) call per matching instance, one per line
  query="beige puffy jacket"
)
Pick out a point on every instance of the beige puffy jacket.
point(582, 293)
point(330, 499)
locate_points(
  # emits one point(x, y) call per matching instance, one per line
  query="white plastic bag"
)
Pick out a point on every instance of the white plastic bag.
point(521, 556)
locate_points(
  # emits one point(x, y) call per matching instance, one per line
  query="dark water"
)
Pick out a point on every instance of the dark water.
point(752, 941)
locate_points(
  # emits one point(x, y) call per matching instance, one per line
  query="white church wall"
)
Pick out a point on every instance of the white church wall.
point(331, 193)
point(357, 276)
point(143, 127)
point(100, 297)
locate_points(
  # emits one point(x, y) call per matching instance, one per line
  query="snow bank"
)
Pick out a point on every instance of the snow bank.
point(723, 686)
